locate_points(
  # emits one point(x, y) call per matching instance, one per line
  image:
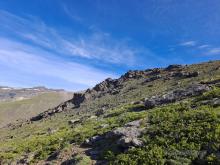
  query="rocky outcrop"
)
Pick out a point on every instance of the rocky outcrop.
point(175, 95)
point(173, 67)
point(183, 74)
point(125, 137)
point(106, 85)
point(75, 102)
point(211, 82)
point(153, 78)
point(77, 99)
point(215, 102)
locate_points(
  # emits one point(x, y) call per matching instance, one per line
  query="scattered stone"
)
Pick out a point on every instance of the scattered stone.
point(136, 123)
point(93, 140)
point(216, 102)
point(51, 131)
point(103, 126)
point(26, 159)
point(100, 112)
point(136, 102)
point(93, 117)
point(74, 121)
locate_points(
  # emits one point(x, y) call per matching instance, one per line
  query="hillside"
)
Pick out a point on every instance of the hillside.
point(24, 103)
point(155, 116)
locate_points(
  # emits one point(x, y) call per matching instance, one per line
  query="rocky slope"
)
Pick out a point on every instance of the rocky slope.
point(155, 116)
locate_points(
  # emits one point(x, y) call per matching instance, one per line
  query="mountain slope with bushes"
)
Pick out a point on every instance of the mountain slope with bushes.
point(155, 116)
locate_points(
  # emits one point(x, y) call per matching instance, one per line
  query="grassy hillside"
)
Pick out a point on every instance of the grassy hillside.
point(184, 130)
point(10, 111)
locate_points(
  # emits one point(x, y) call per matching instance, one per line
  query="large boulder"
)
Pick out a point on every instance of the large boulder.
point(127, 136)
point(124, 131)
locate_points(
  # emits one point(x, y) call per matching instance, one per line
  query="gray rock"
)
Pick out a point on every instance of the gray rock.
point(135, 123)
point(136, 142)
point(125, 131)
point(125, 141)
point(128, 142)
point(93, 140)
point(216, 102)
point(93, 117)
point(136, 102)
point(74, 121)
point(103, 126)
point(150, 103)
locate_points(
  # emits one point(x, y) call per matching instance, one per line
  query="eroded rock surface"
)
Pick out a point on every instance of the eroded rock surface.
point(175, 95)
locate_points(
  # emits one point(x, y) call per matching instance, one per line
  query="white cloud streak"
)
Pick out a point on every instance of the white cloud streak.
point(213, 51)
point(188, 43)
point(203, 46)
point(25, 59)
point(204, 49)
point(97, 46)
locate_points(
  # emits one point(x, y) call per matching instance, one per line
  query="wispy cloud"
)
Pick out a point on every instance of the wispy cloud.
point(188, 43)
point(213, 51)
point(27, 60)
point(97, 45)
point(203, 46)
point(70, 13)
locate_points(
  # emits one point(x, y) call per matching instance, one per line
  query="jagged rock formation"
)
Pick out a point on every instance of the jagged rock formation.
point(114, 87)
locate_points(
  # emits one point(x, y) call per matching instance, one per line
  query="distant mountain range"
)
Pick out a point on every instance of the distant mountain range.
point(10, 93)
point(23, 103)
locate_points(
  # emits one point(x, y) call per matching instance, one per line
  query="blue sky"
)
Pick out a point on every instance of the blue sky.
point(73, 44)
